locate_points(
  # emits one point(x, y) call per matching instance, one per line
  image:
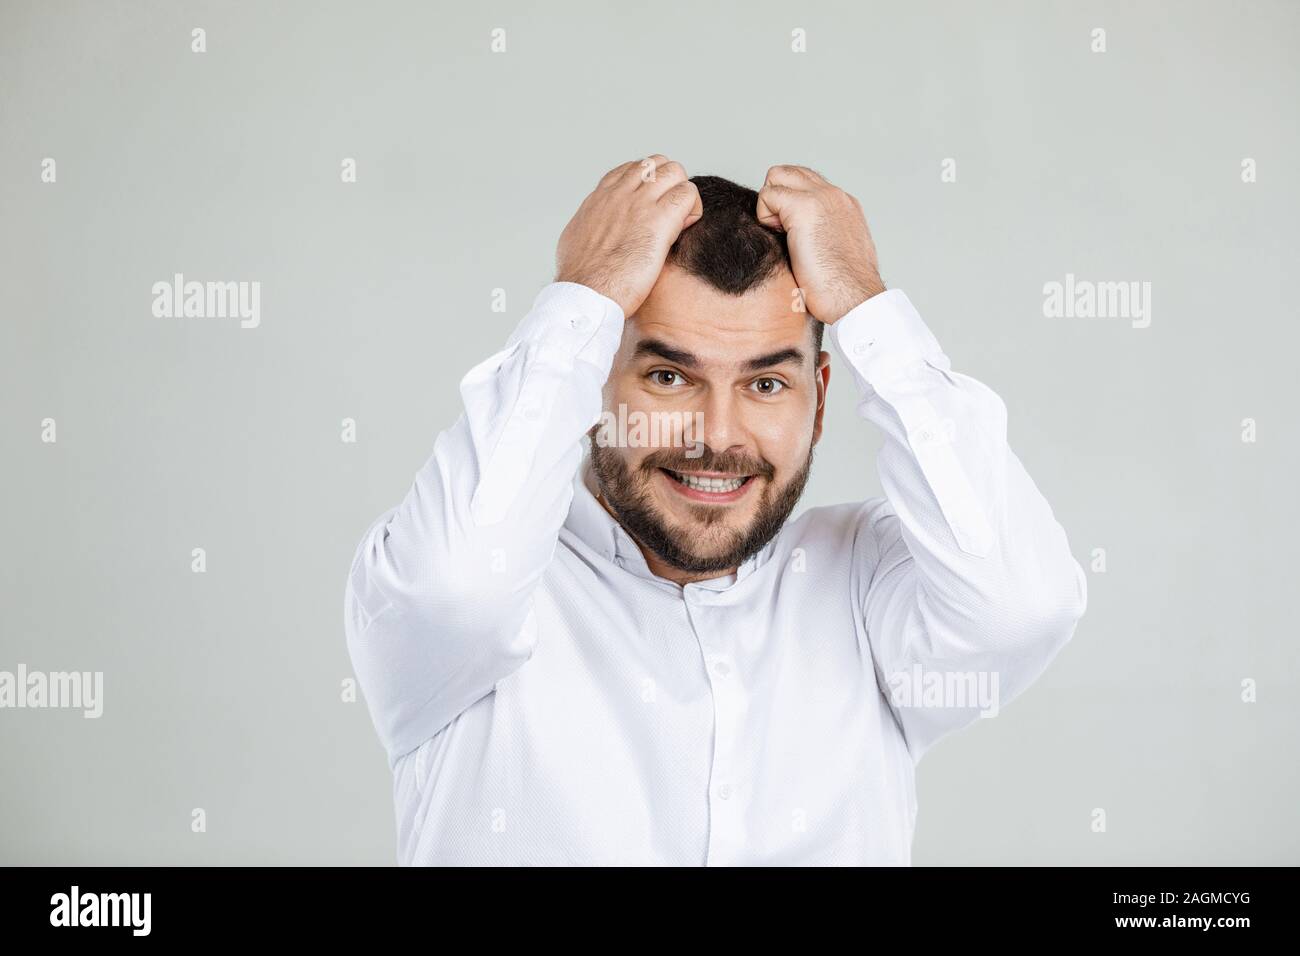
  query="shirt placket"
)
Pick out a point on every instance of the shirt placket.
point(727, 791)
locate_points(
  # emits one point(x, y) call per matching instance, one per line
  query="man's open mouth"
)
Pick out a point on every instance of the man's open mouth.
point(705, 486)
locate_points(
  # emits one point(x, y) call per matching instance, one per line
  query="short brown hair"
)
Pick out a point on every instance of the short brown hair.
point(728, 247)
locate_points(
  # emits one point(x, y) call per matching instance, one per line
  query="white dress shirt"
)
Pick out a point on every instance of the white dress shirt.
point(544, 698)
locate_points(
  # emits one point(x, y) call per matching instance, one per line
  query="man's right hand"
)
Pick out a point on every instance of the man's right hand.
point(617, 241)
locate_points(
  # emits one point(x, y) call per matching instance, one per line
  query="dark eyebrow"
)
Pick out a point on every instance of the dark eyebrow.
point(776, 358)
point(666, 352)
point(688, 359)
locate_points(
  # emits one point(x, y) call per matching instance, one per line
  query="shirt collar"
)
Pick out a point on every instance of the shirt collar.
point(597, 528)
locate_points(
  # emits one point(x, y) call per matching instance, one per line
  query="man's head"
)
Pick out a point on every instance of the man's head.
point(721, 380)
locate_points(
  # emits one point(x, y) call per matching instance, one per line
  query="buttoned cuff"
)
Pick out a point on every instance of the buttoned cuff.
point(574, 321)
point(884, 337)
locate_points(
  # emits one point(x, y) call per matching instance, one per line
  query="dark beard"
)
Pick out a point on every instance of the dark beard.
point(628, 496)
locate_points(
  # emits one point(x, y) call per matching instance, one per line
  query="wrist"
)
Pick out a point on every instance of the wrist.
point(860, 291)
point(601, 287)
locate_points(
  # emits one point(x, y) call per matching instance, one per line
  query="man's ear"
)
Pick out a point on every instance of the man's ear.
point(823, 375)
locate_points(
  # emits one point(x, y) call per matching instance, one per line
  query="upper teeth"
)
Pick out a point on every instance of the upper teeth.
point(709, 484)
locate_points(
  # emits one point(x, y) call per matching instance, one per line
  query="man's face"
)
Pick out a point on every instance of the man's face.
point(728, 396)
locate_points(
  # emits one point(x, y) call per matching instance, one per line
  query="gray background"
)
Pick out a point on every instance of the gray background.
point(222, 690)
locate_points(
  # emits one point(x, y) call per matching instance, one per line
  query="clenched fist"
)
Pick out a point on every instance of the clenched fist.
point(618, 240)
point(831, 252)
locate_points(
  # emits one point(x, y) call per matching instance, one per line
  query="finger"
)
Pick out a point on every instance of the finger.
point(683, 203)
point(665, 177)
point(776, 204)
point(618, 173)
point(648, 169)
point(795, 177)
point(697, 207)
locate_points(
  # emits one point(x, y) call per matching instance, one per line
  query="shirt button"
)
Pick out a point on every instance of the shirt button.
point(724, 791)
point(579, 322)
point(861, 347)
point(721, 669)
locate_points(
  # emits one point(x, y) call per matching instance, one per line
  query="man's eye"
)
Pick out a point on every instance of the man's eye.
point(666, 378)
point(767, 386)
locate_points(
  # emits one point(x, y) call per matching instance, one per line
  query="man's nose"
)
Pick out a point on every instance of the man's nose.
point(722, 428)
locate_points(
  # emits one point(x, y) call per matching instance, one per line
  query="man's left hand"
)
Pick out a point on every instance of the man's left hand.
point(831, 252)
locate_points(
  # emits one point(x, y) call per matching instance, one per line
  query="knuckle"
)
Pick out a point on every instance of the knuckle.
point(680, 194)
point(658, 167)
point(672, 169)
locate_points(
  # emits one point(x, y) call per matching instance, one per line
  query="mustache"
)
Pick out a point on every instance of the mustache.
point(727, 463)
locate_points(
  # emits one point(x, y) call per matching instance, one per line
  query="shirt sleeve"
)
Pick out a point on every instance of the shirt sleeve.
point(438, 597)
point(967, 586)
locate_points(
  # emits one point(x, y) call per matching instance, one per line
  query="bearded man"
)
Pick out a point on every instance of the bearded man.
point(591, 652)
